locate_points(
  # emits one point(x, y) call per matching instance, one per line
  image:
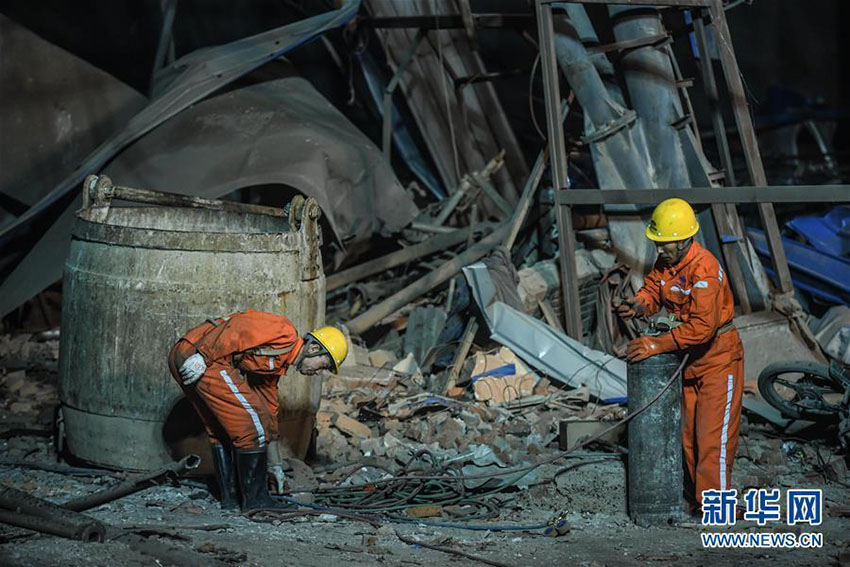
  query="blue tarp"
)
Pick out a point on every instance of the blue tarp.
point(824, 275)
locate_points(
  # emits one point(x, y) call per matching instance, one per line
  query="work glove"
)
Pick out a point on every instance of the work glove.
point(631, 308)
point(192, 369)
point(277, 478)
point(645, 346)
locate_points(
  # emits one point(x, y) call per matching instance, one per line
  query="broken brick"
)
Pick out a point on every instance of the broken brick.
point(351, 427)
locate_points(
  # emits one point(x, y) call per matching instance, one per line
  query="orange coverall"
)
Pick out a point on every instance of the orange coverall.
point(246, 354)
point(697, 292)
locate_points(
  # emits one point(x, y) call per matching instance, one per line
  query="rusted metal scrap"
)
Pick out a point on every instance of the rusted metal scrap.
point(86, 531)
point(18, 508)
point(135, 484)
point(375, 314)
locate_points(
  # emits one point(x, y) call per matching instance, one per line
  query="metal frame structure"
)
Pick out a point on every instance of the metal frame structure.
point(722, 199)
point(709, 195)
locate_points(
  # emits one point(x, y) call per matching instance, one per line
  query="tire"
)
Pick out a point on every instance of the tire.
point(812, 371)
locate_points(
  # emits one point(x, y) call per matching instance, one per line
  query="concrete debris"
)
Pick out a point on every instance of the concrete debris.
point(423, 329)
point(351, 427)
point(27, 376)
point(380, 358)
point(501, 377)
point(573, 432)
point(832, 332)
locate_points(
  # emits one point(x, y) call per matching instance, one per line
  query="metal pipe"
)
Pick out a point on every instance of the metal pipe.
point(133, 485)
point(20, 502)
point(467, 183)
point(531, 185)
point(89, 531)
point(452, 202)
point(655, 443)
point(709, 195)
point(166, 38)
point(427, 227)
point(372, 316)
point(387, 129)
point(649, 76)
point(399, 257)
point(527, 196)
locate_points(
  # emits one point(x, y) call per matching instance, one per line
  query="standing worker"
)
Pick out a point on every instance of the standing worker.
point(688, 281)
point(229, 369)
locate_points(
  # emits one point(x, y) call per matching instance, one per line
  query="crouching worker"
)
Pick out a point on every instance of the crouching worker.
point(229, 369)
point(688, 281)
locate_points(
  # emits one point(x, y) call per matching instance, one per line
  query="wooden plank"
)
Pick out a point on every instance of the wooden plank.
point(462, 352)
point(549, 314)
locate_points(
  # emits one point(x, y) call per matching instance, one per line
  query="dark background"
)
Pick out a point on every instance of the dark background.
point(798, 45)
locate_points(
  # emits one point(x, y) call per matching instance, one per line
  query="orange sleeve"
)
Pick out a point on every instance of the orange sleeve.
point(650, 294)
point(245, 331)
point(704, 317)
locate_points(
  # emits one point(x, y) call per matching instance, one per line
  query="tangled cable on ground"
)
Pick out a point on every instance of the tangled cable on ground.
point(437, 483)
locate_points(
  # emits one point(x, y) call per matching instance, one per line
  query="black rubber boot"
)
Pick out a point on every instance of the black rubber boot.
point(225, 474)
point(253, 480)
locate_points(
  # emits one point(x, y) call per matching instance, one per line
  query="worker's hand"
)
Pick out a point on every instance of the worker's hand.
point(643, 347)
point(277, 478)
point(192, 369)
point(631, 308)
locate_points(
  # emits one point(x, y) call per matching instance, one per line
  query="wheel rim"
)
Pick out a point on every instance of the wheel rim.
point(807, 393)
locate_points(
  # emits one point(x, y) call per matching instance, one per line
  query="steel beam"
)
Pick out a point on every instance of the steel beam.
point(749, 143)
point(725, 215)
point(558, 164)
point(449, 21)
point(387, 130)
point(710, 87)
point(653, 3)
point(709, 195)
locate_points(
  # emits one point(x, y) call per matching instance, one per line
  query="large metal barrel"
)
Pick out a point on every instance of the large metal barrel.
point(136, 279)
point(655, 442)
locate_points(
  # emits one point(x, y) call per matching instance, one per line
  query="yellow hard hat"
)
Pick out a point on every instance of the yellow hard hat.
point(334, 342)
point(673, 219)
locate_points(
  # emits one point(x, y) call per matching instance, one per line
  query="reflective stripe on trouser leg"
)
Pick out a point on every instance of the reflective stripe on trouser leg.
point(261, 433)
point(724, 433)
point(717, 425)
point(266, 392)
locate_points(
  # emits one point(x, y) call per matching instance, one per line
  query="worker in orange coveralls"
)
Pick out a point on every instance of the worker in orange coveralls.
point(229, 369)
point(688, 281)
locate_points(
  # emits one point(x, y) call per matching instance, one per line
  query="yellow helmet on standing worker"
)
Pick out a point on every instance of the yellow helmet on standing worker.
point(673, 219)
point(334, 342)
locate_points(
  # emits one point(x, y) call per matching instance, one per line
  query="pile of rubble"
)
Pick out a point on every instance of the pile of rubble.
point(28, 366)
point(499, 413)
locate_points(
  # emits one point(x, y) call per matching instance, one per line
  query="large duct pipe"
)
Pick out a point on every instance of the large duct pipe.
point(619, 153)
point(655, 443)
point(649, 77)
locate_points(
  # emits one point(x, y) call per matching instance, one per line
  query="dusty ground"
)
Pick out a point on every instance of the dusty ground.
point(183, 524)
point(188, 518)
